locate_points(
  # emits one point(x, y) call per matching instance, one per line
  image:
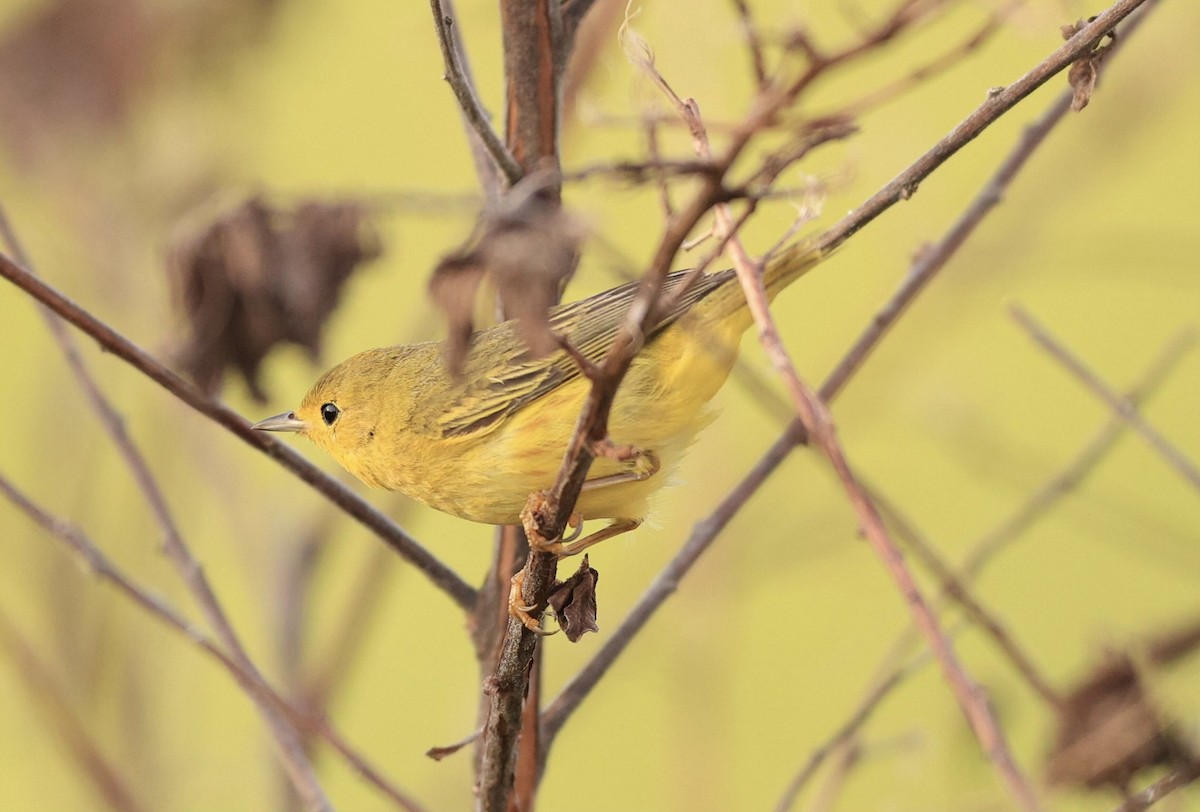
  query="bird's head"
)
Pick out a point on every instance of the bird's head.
point(342, 411)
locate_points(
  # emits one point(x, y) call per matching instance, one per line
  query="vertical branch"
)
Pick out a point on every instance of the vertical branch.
point(536, 45)
point(491, 157)
point(534, 54)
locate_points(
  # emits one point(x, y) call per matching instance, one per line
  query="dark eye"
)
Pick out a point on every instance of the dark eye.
point(329, 413)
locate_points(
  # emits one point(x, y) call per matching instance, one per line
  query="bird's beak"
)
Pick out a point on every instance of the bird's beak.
point(281, 422)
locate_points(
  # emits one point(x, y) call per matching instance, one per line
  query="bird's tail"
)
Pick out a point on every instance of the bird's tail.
point(790, 264)
point(727, 304)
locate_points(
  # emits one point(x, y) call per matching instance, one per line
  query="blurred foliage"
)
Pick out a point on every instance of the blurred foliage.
point(768, 645)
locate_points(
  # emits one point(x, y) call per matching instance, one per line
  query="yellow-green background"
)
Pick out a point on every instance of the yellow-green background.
point(767, 646)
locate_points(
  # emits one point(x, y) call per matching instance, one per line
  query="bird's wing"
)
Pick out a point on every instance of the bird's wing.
point(493, 392)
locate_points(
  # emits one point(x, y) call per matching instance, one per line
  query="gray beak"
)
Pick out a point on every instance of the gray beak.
point(281, 422)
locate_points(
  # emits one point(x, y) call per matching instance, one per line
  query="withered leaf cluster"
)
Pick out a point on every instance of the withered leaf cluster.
point(574, 602)
point(1085, 71)
point(527, 245)
point(1109, 730)
point(259, 276)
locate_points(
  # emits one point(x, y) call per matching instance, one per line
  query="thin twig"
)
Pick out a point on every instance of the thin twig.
point(478, 121)
point(999, 101)
point(1119, 405)
point(355, 506)
point(960, 593)
point(753, 42)
point(99, 565)
point(814, 414)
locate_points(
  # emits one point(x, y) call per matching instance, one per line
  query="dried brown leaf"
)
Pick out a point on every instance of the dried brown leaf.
point(574, 602)
point(257, 277)
point(1082, 77)
point(452, 287)
point(1109, 730)
point(1083, 73)
point(527, 246)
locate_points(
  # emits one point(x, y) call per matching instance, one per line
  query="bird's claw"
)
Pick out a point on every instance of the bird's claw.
point(521, 611)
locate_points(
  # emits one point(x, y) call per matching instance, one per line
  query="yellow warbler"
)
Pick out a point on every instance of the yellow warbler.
point(476, 445)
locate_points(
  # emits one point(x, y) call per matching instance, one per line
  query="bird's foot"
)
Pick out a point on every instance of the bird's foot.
point(523, 612)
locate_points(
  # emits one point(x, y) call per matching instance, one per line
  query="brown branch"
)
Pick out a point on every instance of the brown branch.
point(249, 680)
point(1119, 405)
point(958, 591)
point(754, 45)
point(534, 57)
point(478, 123)
point(817, 421)
point(536, 43)
point(507, 686)
point(819, 426)
point(999, 101)
point(355, 506)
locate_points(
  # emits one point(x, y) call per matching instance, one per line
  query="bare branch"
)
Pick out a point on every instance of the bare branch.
point(984, 549)
point(479, 126)
point(999, 101)
point(1120, 406)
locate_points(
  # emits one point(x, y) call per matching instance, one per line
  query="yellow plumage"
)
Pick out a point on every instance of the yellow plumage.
point(477, 445)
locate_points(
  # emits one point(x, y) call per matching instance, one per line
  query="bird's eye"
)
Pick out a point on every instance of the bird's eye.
point(329, 413)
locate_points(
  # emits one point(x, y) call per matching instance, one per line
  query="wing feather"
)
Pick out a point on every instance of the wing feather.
point(496, 389)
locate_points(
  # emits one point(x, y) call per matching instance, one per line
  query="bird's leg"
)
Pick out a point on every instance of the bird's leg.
point(618, 527)
point(643, 464)
point(520, 610)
